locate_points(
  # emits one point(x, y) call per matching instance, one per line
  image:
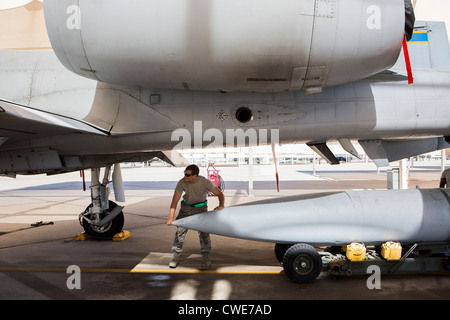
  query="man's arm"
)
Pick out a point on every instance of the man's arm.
point(173, 206)
point(221, 197)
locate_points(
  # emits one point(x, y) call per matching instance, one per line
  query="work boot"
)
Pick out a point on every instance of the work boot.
point(175, 260)
point(206, 264)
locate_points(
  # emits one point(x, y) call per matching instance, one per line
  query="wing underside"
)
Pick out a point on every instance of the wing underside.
point(19, 125)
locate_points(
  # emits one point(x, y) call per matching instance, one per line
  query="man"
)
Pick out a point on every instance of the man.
point(445, 178)
point(195, 190)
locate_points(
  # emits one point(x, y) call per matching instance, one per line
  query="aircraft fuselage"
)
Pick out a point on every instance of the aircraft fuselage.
point(139, 119)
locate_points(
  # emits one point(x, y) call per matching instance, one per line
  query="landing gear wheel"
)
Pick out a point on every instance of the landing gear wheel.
point(108, 231)
point(302, 263)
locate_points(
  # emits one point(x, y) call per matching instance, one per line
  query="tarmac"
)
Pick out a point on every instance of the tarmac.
point(36, 263)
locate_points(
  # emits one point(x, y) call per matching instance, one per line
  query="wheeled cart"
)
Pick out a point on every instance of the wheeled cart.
point(303, 263)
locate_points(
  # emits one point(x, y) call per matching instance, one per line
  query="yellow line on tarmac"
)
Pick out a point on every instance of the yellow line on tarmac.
point(33, 269)
point(205, 271)
point(109, 270)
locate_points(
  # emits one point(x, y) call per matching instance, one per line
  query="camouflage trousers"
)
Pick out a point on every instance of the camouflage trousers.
point(180, 234)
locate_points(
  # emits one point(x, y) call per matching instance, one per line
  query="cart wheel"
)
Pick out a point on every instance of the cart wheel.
point(302, 263)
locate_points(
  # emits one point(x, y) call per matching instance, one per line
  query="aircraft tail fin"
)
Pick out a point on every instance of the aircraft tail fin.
point(429, 47)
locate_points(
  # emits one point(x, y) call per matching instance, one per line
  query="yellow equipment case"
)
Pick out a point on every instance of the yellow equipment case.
point(356, 251)
point(391, 250)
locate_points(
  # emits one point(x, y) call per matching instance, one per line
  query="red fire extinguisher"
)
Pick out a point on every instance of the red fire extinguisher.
point(213, 175)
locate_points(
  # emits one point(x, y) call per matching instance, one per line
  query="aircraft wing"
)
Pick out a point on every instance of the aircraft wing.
point(20, 124)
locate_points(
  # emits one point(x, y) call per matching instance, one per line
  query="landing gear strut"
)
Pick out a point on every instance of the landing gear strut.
point(103, 218)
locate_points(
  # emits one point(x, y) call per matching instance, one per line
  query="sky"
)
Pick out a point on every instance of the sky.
point(425, 9)
point(9, 4)
point(433, 10)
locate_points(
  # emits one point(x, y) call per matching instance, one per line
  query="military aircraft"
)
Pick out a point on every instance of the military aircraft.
point(137, 80)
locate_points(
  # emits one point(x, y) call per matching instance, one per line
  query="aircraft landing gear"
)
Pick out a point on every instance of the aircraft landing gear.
point(105, 224)
point(103, 218)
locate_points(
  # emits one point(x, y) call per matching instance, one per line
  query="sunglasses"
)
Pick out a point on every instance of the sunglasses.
point(188, 175)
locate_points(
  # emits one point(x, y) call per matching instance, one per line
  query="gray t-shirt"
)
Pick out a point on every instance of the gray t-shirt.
point(195, 192)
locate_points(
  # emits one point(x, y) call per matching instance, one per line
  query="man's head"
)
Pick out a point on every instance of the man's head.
point(191, 173)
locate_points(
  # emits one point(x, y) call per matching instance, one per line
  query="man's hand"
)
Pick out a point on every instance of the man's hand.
point(221, 197)
point(176, 197)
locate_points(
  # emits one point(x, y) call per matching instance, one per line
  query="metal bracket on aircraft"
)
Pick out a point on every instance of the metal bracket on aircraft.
point(322, 149)
point(383, 151)
point(313, 90)
point(375, 151)
point(172, 157)
point(349, 147)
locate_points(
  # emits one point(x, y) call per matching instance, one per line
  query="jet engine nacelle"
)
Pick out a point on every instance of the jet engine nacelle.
point(229, 45)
